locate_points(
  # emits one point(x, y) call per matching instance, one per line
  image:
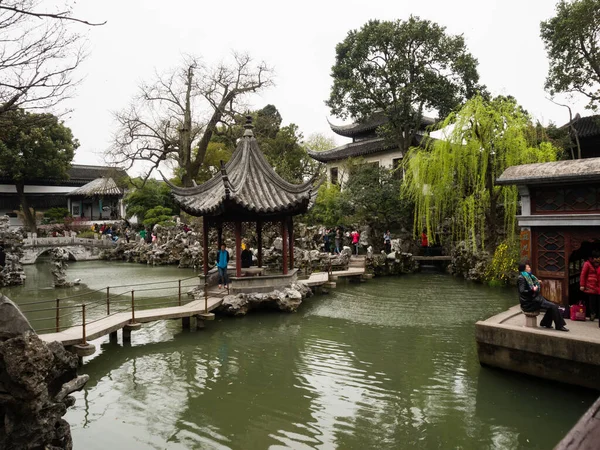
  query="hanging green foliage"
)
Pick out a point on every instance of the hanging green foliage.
point(452, 181)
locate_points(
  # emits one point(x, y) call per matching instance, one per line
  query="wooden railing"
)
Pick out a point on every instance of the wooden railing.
point(117, 299)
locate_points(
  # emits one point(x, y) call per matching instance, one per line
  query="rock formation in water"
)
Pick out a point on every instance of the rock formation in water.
point(35, 382)
point(395, 263)
point(59, 268)
point(11, 243)
point(286, 299)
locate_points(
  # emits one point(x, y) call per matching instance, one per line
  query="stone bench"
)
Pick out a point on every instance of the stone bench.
point(531, 318)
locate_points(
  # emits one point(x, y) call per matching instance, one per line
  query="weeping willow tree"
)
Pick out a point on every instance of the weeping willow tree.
point(452, 181)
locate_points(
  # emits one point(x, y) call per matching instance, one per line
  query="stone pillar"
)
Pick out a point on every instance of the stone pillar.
point(291, 238)
point(205, 228)
point(284, 245)
point(238, 248)
point(259, 239)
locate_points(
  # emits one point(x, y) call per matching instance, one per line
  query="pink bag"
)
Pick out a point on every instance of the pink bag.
point(578, 312)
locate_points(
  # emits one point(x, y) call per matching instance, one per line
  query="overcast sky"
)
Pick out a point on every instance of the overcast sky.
point(298, 39)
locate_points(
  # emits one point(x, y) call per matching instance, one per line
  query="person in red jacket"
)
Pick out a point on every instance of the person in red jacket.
point(588, 282)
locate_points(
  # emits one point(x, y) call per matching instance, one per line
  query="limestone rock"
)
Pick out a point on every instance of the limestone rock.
point(12, 321)
point(35, 382)
point(11, 241)
point(286, 299)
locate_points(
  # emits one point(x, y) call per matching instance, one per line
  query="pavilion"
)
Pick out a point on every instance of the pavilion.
point(248, 190)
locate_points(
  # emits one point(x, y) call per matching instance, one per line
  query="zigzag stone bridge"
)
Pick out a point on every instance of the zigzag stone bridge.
point(79, 249)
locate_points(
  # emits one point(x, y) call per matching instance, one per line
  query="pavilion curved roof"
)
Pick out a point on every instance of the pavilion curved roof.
point(247, 185)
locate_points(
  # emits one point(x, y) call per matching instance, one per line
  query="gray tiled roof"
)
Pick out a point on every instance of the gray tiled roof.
point(588, 126)
point(100, 187)
point(574, 170)
point(371, 124)
point(360, 148)
point(246, 183)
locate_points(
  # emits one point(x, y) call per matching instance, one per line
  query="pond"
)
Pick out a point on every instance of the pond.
point(387, 364)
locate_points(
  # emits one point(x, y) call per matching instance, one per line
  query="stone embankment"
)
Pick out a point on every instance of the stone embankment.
point(35, 382)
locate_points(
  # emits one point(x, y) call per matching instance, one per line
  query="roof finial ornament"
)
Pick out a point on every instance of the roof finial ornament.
point(248, 126)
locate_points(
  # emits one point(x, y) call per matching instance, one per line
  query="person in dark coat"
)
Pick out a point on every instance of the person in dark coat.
point(532, 300)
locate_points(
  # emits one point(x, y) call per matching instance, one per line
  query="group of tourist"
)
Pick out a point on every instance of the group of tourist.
point(337, 237)
point(110, 231)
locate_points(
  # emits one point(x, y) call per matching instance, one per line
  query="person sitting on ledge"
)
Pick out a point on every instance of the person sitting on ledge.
point(532, 300)
point(246, 258)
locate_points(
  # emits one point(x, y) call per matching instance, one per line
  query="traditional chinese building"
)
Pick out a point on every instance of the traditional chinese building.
point(559, 221)
point(43, 194)
point(365, 144)
point(248, 193)
point(100, 199)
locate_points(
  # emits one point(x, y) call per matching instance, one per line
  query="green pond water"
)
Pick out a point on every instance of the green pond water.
point(387, 364)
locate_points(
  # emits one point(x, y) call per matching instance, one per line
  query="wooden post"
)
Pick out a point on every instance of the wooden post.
point(205, 229)
point(84, 337)
point(238, 248)
point(291, 237)
point(206, 296)
point(132, 307)
point(108, 300)
point(57, 315)
point(259, 239)
point(179, 292)
point(284, 244)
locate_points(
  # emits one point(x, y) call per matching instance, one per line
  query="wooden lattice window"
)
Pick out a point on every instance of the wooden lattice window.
point(567, 199)
point(551, 251)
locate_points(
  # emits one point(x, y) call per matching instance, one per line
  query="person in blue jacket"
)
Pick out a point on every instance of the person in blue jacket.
point(222, 261)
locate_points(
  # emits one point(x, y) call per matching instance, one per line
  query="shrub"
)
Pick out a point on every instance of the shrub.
point(502, 269)
point(56, 215)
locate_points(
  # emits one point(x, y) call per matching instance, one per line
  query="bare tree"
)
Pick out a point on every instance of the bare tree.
point(38, 54)
point(175, 116)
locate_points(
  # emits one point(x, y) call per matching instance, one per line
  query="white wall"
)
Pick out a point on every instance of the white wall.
point(385, 159)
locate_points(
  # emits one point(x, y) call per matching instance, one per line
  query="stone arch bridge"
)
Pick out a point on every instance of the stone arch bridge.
point(79, 249)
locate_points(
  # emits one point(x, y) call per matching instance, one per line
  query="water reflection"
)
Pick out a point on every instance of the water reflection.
point(386, 364)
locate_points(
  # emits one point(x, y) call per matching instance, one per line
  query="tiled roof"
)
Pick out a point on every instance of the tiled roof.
point(574, 170)
point(247, 184)
point(586, 126)
point(372, 124)
point(100, 187)
point(78, 175)
point(360, 148)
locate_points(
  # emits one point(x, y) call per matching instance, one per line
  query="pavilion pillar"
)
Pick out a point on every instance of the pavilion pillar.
point(238, 248)
point(81, 209)
point(284, 245)
point(205, 228)
point(291, 238)
point(100, 205)
point(259, 239)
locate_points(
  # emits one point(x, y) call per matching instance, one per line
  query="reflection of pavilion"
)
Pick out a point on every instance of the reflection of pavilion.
point(560, 219)
point(248, 190)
